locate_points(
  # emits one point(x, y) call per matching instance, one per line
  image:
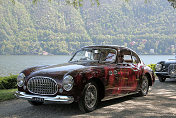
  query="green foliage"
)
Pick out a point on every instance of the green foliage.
point(27, 28)
point(152, 66)
point(7, 94)
point(8, 82)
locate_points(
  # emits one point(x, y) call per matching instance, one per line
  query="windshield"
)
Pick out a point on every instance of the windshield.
point(99, 55)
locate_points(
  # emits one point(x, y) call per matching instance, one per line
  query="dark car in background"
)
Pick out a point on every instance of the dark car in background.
point(166, 69)
point(94, 73)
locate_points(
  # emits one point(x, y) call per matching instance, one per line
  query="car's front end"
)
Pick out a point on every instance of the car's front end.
point(50, 83)
point(166, 69)
point(60, 83)
point(41, 88)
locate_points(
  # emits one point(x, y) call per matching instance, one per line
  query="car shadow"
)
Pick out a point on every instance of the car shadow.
point(73, 109)
point(170, 80)
point(117, 100)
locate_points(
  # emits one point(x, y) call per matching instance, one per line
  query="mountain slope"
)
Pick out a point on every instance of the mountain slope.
point(27, 28)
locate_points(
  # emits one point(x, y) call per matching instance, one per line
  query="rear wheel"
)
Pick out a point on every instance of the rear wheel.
point(161, 79)
point(144, 86)
point(35, 103)
point(89, 100)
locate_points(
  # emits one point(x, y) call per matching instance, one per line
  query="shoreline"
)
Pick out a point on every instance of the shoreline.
point(71, 55)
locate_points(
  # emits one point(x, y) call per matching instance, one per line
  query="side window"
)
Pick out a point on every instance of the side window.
point(125, 56)
point(127, 59)
point(108, 55)
point(135, 58)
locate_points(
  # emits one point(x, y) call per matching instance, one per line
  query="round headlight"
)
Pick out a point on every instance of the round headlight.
point(68, 82)
point(20, 79)
point(158, 67)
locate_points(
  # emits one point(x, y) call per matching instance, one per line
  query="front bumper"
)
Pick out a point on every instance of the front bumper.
point(58, 98)
point(162, 73)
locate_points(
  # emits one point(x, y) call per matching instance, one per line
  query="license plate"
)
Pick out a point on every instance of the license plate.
point(38, 99)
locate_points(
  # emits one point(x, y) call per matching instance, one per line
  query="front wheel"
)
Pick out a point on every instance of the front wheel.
point(161, 79)
point(89, 100)
point(144, 87)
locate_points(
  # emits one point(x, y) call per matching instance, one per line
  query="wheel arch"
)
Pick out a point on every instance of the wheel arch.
point(100, 85)
point(149, 78)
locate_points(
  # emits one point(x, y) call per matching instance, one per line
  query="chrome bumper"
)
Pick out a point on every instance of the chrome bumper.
point(161, 73)
point(58, 98)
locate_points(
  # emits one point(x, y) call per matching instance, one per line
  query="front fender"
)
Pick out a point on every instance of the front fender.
point(81, 78)
point(149, 72)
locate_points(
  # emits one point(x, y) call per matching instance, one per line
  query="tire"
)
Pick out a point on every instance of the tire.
point(161, 79)
point(144, 87)
point(89, 100)
point(35, 103)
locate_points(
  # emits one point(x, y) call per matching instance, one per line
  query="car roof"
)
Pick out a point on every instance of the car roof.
point(108, 46)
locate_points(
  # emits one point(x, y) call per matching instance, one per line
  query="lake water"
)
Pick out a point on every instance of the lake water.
point(13, 64)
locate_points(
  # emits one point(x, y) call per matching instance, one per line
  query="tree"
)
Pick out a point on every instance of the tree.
point(79, 3)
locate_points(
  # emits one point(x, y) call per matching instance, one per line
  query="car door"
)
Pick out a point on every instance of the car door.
point(134, 74)
point(137, 69)
point(109, 62)
point(127, 73)
point(112, 79)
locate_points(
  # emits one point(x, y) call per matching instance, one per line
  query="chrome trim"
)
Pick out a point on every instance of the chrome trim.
point(58, 98)
point(172, 67)
point(42, 85)
point(117, 96)
point(161, 73)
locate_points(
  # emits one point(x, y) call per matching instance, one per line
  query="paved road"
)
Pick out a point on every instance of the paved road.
point(160, 102)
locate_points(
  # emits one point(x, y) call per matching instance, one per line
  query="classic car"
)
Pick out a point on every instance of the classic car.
point(166, 69)
point(93, 74)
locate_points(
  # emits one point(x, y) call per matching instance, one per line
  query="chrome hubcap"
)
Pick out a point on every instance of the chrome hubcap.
point(90, 96)
point(145, 85)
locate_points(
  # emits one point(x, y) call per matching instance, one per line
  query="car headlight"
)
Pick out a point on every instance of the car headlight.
point(158, 67)
point(20, 79)
point(68, 82)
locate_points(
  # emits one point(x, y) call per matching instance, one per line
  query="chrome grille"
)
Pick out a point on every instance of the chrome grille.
point(172, 70)
point(42, 85)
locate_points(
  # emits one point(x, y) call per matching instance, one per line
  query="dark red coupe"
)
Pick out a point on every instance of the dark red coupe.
point(94, 73)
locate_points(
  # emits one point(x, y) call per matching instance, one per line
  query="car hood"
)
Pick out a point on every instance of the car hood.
point(170, 61)
point(56, 70)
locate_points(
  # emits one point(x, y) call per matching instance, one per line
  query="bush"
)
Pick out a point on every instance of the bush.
point(152, 66)
point(8, 82)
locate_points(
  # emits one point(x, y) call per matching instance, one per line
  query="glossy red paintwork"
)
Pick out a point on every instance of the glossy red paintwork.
point(112, 79)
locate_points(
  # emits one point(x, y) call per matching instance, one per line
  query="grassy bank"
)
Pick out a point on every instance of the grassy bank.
point(7, 94)
point(8, 87)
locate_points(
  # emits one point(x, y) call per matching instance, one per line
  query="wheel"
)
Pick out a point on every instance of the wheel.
point(89, 100)
point(35, 103)
point(144, 87)
point(161, 79)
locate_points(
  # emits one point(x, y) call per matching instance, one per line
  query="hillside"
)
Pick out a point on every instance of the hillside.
point(26, 28)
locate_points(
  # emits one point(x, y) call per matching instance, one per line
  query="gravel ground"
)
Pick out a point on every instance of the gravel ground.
point(160, 102)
